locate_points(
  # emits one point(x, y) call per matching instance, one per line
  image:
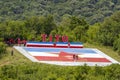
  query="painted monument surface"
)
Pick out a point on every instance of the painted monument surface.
point(64, 53)
point(65, 56)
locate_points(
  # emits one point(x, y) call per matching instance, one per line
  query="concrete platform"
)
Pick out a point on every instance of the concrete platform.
point(64, 56)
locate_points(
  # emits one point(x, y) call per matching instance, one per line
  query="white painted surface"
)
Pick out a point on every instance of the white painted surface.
point(106, 56)
point(30, 56)
point(25, 53)
point(43, 54)
point(90, 56)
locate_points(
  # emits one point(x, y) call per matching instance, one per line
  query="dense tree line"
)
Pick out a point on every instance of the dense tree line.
point(93, 10)
point(76, 28)
point(27, 29)
point(107, 32)
point(33, 27)
point(28, 19)
point(39, 71)
point(2, 49)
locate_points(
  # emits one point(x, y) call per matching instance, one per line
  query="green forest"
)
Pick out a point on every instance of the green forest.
point(77, 29)
point(95, 22)
point(91, 10)
point(39, 71)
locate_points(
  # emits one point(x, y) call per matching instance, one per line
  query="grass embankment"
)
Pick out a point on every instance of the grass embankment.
point(106, 49)
point(18, 58)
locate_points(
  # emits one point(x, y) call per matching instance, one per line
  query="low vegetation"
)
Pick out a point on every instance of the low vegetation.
point(18, 67)
point(31, 71)
point(2, 49)
point(77, 29)
point(102, 35)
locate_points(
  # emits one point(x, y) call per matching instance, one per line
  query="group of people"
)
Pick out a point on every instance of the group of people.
point(18, 41)
point(75, 57)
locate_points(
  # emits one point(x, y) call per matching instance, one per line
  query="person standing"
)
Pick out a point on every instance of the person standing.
point(75, 57)
point(12, 52)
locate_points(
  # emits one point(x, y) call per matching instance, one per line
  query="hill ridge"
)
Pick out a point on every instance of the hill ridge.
point(93, 10)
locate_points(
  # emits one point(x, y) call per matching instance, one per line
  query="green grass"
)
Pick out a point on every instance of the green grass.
point(19, 59)
point(106, 49)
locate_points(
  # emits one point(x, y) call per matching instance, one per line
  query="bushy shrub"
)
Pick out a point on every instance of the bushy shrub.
point(2, 49)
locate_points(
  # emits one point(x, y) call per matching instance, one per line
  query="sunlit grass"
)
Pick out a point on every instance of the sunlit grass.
point(106, 49)
point(17, 58)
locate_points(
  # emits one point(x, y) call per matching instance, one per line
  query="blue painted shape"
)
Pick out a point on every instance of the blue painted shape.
point(69, 50)
point(76, 43)
point(61, 42)
point(54, 42)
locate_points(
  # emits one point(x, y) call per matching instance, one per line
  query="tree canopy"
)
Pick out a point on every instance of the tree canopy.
point(92, 10)
point(28, 19)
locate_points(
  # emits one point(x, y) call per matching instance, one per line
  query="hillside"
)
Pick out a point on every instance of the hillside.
point(92, 10)
point(28, 19)
point(18, 67)
point(18, 58)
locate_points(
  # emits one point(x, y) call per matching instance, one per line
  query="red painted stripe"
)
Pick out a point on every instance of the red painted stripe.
point(31, 45)
point(63, 54)
point(39, 45)
point(47, 46)
point(94, 59)
point(44, 58)
point(70, 58)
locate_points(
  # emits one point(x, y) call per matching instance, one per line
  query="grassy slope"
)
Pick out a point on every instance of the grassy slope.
point(106, 49)
point(17, 58)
